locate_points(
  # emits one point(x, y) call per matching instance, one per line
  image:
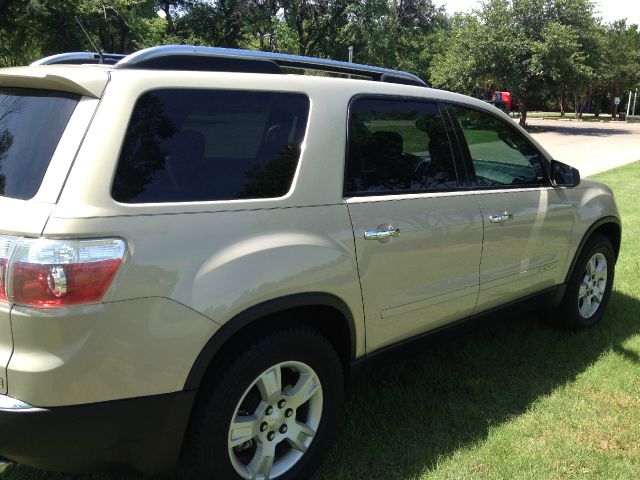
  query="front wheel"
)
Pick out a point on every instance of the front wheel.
point(589, 287)
point(272, 412)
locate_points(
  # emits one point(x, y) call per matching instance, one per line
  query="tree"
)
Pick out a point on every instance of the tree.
point(315, 23)
point(527, 46)
point(171, 10)
point(18, 42)
point(621, 60)
point(565, 65)
point(457, 64)
point(393, 33)
point(37, 28)
point(264, 23)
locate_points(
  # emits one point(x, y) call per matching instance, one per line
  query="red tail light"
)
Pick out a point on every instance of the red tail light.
point(58, 273)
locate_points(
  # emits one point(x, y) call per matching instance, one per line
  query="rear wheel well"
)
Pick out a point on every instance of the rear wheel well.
point(328, 321)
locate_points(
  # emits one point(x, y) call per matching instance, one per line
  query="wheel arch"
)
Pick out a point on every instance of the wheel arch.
point(323, 312)
point(608, 226)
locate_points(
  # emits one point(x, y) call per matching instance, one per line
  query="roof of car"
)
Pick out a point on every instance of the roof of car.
point(195, 58)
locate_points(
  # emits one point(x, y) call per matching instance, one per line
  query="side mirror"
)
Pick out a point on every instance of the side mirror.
point(563, 175)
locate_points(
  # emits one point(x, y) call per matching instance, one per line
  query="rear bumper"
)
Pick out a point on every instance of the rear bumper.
point(141, 434)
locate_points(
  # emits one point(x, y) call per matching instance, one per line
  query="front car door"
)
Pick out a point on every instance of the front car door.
point(527, 222)
point(418, 237)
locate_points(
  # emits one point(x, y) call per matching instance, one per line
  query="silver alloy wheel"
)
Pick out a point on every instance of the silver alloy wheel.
point(267, 440)
point(593, 286)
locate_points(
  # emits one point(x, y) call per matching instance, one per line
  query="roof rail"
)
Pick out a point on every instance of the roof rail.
point(186, 57)
point(78, 58)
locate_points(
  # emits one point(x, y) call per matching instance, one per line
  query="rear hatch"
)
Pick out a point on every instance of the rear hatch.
point(44, 114)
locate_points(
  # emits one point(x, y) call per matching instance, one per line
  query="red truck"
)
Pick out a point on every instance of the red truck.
point(501, 100)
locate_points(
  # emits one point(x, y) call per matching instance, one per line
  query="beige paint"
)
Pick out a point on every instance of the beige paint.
point(529, 253)
point(232, 260)
point(104, 352)
point(67, 78)
point(592, 201)
point(6, 346)
point(19, 217)
point(426, 276)
point(193, 266)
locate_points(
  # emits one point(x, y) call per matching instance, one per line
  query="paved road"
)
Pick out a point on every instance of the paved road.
point(589, 146)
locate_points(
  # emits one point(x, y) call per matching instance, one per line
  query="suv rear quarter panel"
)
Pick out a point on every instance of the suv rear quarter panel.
point(108, 351)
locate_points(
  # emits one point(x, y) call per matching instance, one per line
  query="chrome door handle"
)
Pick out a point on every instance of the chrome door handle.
point(384, 232)
point(501, 218)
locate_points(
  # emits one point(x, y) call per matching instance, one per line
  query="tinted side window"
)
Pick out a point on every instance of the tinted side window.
point(397, 145)
point(500, 154)
point(31, 124)
point(198, 145)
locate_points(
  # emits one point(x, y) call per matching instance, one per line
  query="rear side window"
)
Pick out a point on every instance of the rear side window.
point(202, 145)
point(31, 124)
point(398, 146)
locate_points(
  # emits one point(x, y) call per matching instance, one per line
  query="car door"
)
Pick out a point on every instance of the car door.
point(418, 233)
point(527, 222)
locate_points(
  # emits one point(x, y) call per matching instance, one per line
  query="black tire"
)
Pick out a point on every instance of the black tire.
point(206, 452)
point(572, 308)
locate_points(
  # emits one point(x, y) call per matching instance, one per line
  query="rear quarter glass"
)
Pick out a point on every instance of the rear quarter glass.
point(31, 124)
point(185, 145)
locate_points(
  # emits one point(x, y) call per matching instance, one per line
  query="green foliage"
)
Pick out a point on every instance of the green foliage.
point(551, 50)
point(621, 59)
point(457, 64)
point(36, 28)
point(537, 47)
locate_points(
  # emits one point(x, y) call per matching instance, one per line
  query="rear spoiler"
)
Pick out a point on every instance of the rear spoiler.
point(89, 82)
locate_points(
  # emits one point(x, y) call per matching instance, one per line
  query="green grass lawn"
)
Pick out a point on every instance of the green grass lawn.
point(587, 117)
point(515, 399)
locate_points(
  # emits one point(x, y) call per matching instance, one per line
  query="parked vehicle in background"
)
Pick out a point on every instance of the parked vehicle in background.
point(198, 251)
point(502, 100)
point(499, 99)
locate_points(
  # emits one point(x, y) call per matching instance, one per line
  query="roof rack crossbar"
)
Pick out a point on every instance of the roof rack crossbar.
point(78, 58)
point(166, 56)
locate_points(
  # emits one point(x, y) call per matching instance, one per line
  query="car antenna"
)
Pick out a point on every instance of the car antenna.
point(95, 47)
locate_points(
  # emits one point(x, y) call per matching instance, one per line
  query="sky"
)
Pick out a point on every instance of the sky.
point(609, 10)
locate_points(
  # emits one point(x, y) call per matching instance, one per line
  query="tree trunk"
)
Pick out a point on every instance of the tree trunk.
point(302, 41)
point(523, 111)
point(166, 8)
point(616, 93)
point(588, 100)
point(563, 101)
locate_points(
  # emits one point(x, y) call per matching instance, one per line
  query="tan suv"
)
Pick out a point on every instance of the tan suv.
point(197, 250)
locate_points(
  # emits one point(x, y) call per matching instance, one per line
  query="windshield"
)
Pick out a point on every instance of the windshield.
point(31, 124)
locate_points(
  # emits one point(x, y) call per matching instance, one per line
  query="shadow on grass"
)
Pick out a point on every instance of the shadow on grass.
point(402, 417)
point(578, 130)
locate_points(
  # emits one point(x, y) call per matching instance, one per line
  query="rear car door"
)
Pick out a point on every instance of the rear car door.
point(527, 222)
point(418, 232)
